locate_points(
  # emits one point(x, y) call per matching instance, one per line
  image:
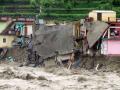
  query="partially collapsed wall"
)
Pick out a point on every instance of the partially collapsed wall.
point(51, 39)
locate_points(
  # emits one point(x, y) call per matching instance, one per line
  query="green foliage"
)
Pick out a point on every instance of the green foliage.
point(73, 9)
point(106, 6)
point(63, 16)
point(57, 9)
point(116, 2)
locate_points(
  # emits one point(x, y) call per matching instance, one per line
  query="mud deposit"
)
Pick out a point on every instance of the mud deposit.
point(29, 78)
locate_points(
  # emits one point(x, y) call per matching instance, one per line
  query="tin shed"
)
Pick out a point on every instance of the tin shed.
point(103, 15)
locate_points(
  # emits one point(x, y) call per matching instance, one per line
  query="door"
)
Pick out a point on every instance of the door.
point(25, 32)
point(99, 16)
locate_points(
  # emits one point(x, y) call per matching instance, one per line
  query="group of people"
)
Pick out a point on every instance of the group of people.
point(33, 57)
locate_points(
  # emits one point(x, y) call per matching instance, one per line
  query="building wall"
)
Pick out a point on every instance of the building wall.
point(29, 29)
point(110, 47)
point(3, 25)
point(93, 15)
point(105, 16)
point(6, 41)
point(63, 57)
point(111, 16)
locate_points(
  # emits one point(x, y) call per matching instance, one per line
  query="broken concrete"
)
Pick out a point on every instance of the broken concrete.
point(56, 38)
point(95, 31)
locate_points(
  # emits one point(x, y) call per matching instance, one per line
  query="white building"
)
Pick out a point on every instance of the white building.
point(103, 15)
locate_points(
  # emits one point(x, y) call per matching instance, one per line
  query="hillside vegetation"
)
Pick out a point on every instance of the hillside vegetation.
point(17, 8)
point(56, 9)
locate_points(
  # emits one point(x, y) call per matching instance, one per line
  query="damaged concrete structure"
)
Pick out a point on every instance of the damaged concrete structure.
point(54, 40)
point(95, 31)
point(102, 36)
point(111, 40)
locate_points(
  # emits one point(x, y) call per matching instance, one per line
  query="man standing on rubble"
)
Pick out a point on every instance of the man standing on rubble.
point(77, 59)
point(30, 46)
point(33, 56)
point(74, 61)
point(29, 58)
point(38, 59)
point(71, 60)
point(30, 53)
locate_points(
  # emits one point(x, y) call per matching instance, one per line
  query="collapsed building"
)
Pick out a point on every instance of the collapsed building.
point(103, 32)
point(94, 35)
point(54, 40)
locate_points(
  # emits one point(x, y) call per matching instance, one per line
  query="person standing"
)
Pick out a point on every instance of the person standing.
point(38, 59)
point(29, 58)
point(30, 46)
point(30, 53)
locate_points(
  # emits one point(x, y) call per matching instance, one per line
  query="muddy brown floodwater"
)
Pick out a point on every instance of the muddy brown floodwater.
point(13, 77)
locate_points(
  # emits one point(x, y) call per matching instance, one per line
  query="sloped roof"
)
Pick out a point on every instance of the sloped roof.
point(95, 31)
point(103, 11)
point(56, 38)
point(3, 26)
point(8, 25)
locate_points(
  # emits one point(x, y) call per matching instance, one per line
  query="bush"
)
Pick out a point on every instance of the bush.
point(116, 2)
point(68, 17)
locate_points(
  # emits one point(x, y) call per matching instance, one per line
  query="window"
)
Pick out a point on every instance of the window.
point(99, 16)
point(4, 40)
point(114, 33)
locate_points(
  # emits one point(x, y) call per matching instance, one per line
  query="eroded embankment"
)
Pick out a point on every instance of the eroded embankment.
point(103, 63)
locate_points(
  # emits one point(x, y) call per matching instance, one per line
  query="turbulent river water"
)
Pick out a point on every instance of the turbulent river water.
point(13, 77)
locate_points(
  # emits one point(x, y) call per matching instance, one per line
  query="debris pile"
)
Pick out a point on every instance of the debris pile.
point(54, 39)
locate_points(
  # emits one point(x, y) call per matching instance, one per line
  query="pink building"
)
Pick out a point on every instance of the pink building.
point(111, 40)
point(104, 37)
